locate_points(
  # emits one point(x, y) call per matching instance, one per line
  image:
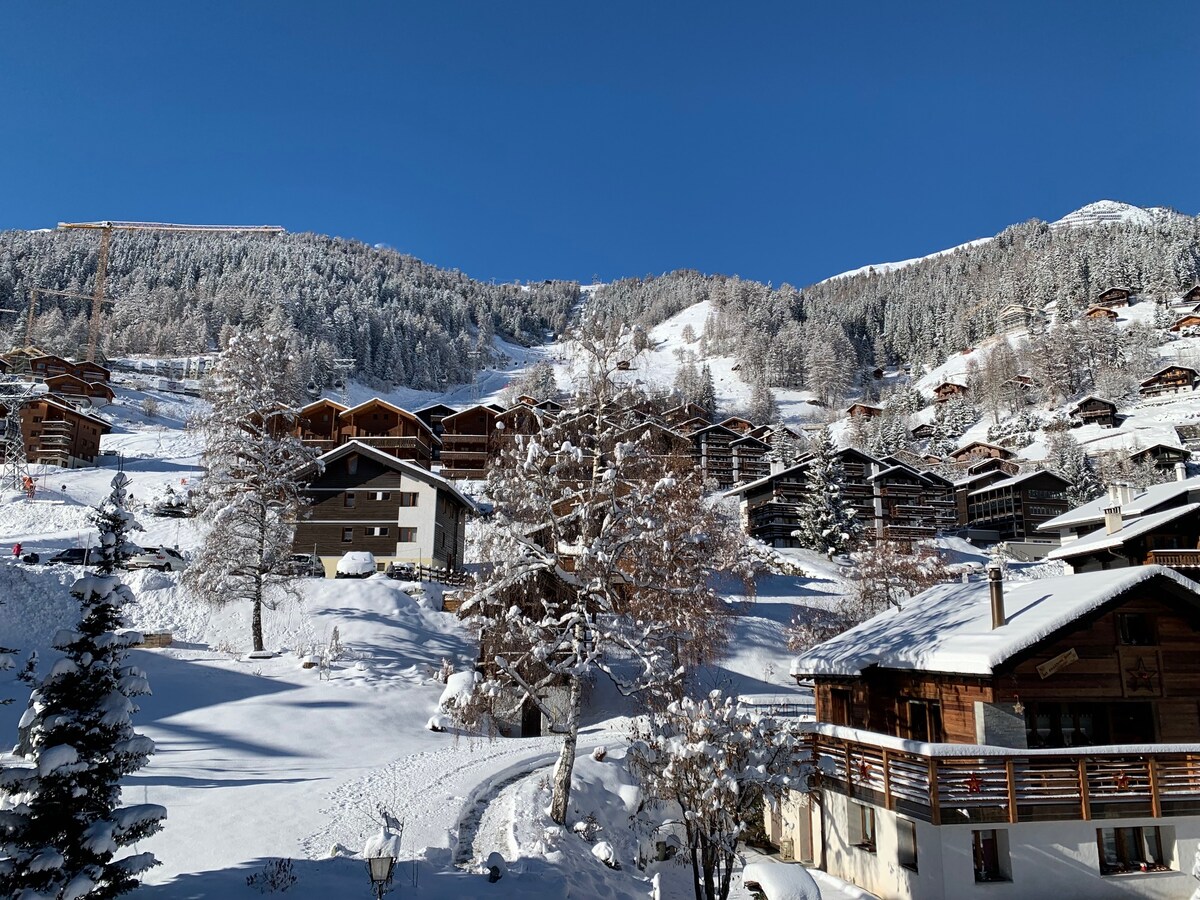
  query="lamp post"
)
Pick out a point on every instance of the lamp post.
point(381, 852)
point(380, 868)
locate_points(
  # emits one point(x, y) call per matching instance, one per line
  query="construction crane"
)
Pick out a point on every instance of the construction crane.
point(107, 228)
point(33, 305)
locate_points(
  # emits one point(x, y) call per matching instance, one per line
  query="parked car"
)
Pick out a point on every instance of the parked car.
point(403, 571)
point(356, 564)
point(163, 558)
point(78, 556)
point(305, 565)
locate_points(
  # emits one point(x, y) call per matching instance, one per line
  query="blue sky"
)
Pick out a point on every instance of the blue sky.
point(780, 141)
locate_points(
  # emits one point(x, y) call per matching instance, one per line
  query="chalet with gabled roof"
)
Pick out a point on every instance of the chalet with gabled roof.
point(1183, 323)
point(738, 424)
point(948, 390)
point(712, 452)
point(1114, 298)
point(979, 450)
point(1169, 380)
point(74, 388)
point(317, 424)
point(389, 428)
point(686, 412)
point(433, 414)
point(1012, 509)
point(1093, 410)
point(362, 497)
point(977, 719)
point(864, 411)
point(1013, 317)
point(58, 433)
point(750, 459)
point(1163, 456)
point(1101, 313)
point(469, 441)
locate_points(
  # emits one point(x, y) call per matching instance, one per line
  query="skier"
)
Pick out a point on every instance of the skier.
point(17, 550)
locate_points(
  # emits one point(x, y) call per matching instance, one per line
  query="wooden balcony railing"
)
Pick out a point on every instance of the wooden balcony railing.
point(957, 784)
point(1174, 559)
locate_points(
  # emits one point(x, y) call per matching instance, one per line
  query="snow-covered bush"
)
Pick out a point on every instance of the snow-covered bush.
point(276, 875)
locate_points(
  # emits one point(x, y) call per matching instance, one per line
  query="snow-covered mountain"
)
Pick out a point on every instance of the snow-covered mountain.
point(1109, 212)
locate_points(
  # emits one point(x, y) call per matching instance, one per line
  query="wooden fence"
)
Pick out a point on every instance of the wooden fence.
point(410, 572)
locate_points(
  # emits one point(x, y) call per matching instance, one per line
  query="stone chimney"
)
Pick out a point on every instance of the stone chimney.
point(1114, 493)
point(995, 577)
point(1180, 471)
point(1124, 494)
point(1112, 519)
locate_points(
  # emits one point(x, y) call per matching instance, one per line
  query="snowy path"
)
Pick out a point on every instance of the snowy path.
point(487, 826)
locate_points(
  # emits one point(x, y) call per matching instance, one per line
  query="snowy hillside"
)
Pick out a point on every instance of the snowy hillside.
point(1110, 212)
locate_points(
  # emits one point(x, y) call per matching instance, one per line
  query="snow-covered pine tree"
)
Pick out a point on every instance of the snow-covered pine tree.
point(252, 493)
point(706, 392)
point(716, 761)
point(763, 406)
point(783, 448)
point(61, 825)
point(827, 520)
point(1065, 457)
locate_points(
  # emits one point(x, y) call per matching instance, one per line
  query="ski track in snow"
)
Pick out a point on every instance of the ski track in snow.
point(426, 790)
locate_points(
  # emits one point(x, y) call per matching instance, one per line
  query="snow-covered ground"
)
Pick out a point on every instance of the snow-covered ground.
point(260, 759)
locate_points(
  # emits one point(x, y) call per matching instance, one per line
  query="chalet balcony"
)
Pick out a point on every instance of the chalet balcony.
point(465, 441)
point(1174, 559)
point(952, 784)
point(392, 444)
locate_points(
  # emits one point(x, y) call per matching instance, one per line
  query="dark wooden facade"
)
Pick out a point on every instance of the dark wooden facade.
point(1169, 380)
point(1014, 508)
point(388, 428)
point(864, 411)
point(58, 434)
point(1101, 312)
point(978, 450)
point(1095, 411)
point(1136, 680)
point(949, 389)
point(468, 442)
point(1114, 297)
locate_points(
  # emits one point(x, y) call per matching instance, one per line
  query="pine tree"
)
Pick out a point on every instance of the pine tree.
point(706, 395)
point(1066, 457)
point(763, 406)
point(827, 518)
point(61, 825)
point(252, 491)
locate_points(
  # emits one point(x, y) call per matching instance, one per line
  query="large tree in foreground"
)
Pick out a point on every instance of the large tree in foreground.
point(600, 561)
point(714, 762)
point(61, 823)
point(252, 493)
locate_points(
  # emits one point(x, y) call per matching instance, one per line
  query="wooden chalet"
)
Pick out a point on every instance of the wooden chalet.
point(691, 426)
point(979, 450)
point(433, 414)
point(1114, 298)
point(1169, 536)
point(1163, 456)
point(363, 497)
point(1013, 508)
point(1040, 738)
point(379, 424)
point(59, 434)
point(551, 406)
point(949, 389)
point(76, 389)
point(771, 506)
point(864, 411)
point(317, 424)
point(1183, 323)
point(1093, 410)
point(1013, 317)
point(1169, 380)
point(738, 424)
point(1101, 313)
point(686, 412)
point(1192, 296)
point(468, 442)
point(659, 441)
point(911, 505)
point(922, 432)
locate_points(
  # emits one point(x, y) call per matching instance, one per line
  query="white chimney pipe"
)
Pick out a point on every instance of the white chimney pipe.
point(1180, 471)
point(1124, 494)
point(1112, 519)
point(1114, 493)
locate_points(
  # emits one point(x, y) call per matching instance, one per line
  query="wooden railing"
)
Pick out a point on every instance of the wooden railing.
point(415, 572)
point(1174, 559)
point(999, 785)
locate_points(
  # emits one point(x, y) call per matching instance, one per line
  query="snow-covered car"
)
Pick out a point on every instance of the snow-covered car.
point(780, 881)
point(356, 564)
point(305, 565)
point(163, 558)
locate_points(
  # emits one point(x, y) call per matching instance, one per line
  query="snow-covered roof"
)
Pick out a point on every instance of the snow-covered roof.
point(1015, 480)
point(462, 412)
point(1102, 540)
point(376, 401)
point(948, 628)
point(965, 447)
point(1145, 501)
point(323, 401)
point(1167, 369)
point(402, 465)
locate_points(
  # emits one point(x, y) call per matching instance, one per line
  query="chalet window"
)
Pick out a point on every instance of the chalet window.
point(906, 837)
point(406, 535)
point(352, 465)
point(925, 721)
point(348, 500)
point(347, 535)
point(862, 827)
point(409, 498)
point(990, 853)
point(377, 531)
point(1136, 629)
point(1136, 849)
point(37, 418)
point(381, 495)
point(839, 706)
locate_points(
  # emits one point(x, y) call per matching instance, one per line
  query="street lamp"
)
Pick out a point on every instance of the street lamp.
point(381, 852)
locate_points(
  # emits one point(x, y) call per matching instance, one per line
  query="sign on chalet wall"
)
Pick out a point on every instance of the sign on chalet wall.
point(1060, 662)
